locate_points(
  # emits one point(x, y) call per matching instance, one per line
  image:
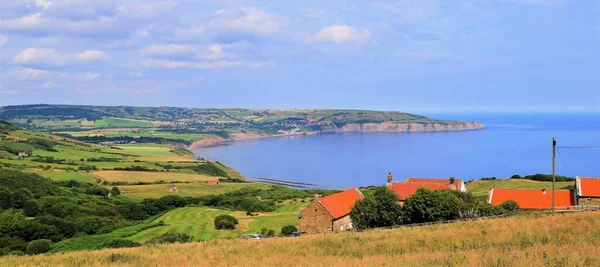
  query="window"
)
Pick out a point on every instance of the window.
point(342, 227)
point(350, 225)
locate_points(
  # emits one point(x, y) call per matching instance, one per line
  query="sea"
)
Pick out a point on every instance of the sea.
point(510, 144)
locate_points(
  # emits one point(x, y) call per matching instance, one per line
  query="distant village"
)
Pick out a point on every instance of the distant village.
point(332, 213)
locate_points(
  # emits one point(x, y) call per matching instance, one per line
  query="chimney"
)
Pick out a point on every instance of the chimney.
point(544, 191)
point(317, 197)
point(389, 178)
point(452, 179)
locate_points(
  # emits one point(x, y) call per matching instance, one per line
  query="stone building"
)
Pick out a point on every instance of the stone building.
point(330, 213)
point(588, 190)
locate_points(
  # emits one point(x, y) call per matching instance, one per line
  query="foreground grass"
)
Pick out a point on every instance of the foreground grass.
point(481, 188)
point(529, 240)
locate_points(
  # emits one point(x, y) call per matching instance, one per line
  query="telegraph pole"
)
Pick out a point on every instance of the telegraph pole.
point(553, 173)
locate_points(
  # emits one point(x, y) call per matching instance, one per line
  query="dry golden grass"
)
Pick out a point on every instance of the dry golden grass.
point(129, 176)
point(529, 240)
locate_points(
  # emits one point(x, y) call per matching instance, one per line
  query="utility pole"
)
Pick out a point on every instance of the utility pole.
point(553, 174)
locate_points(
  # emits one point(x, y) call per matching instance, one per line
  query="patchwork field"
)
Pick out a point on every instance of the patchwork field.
point(185, 189)
point(60, 175)
point(480, 188)
point(527, 240)
point(132, 176)
point(198, 222)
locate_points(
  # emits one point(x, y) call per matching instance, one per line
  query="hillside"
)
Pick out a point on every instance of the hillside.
point(209, 126)
point(539, 240)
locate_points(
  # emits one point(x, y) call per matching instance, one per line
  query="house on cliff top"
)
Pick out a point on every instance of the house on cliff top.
point(330, 213)
point(406, 189)
point(588, 190)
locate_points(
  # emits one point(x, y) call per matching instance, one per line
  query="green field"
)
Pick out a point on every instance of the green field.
point(185, 190)
point(480, 188)
point(79, 176)
point(198, 222)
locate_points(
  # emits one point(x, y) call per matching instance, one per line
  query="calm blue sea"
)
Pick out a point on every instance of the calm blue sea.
point(511, 144)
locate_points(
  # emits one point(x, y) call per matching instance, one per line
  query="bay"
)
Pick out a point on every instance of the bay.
point(510, 144)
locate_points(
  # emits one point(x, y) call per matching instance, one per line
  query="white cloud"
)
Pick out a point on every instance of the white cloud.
point(49, 84)
point(78, 9)
point(90, 55)
point(535, 2)
point(145, 9)
point(341, 34)
point(172, 64)
point(39, 56)
point(28, 74)
point(249, 20)
point(3, 40)
point(43, 3)
point(88, 76)
point(39, 23)
point(169, 49)
point(215, 51)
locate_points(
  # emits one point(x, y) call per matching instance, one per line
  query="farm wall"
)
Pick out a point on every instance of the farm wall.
point(315, 219)
point(342, 224)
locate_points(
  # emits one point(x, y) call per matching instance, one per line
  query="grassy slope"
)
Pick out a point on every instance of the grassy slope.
point(132, 176)
point(198, 222)
point(480, 189)
point(539, 240)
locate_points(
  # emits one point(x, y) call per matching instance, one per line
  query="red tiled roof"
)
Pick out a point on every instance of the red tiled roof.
point(532, 198)
point(340, 204)
point(213, 181)
point(405, 190)
point(445, 181)
point(588, 187)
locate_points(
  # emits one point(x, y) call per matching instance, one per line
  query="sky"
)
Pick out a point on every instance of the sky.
point(407, 55)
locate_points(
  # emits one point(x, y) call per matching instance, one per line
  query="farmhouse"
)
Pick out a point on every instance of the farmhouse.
point(214, 181)
point(172, 188)
point(588, 190)
point(23, 154)
point(534, 199)
point(410, 186)
point(330, 213)
point(12, 138)
point(451, 184)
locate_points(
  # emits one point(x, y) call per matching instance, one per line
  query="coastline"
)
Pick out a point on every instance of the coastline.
point(214, 141)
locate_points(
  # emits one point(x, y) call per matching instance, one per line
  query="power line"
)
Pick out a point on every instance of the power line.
point(564, 163)
point(576, 147)
point(522, 156)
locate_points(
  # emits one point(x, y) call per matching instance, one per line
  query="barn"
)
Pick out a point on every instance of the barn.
point(588, 190)
point(330, 213)
point(533, 199)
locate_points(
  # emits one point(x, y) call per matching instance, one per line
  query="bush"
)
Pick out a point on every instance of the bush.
point(30, 209)
point(288, 229)
point(38, 246)
point(516, 176)
point(168, 238)
point(271, 233)
point(115, 191)
point(430, 206)
point(378, 209)
point(510, 206)
point(119, 243)
point(225, 222)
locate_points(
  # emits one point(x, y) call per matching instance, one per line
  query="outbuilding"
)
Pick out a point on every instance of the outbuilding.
point(330, 213)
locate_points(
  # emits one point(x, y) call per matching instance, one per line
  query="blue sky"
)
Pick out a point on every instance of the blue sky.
point(419, 56)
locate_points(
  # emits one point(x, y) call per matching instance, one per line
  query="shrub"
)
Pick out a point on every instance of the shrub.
point(171, 238)
point(378, 209)
point(119, 243)
point(38, 246)
point(288, 229)
point(511, 206)
point(225, 222)
point(516, 176)
point(431, 205)
point(115, 191)
point(271, 233)
point(30, 209)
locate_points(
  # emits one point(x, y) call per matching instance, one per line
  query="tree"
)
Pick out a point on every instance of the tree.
point(378, 209)
point(30, 209)
point(115, 191)
point(271, 233)
point(516, 176)
point(430, 206)
point(225, 222)
point(171, 238)
point(288, 229)
point(38, 246)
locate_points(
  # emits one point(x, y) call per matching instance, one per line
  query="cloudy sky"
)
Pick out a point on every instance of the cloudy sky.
point(409, 55)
